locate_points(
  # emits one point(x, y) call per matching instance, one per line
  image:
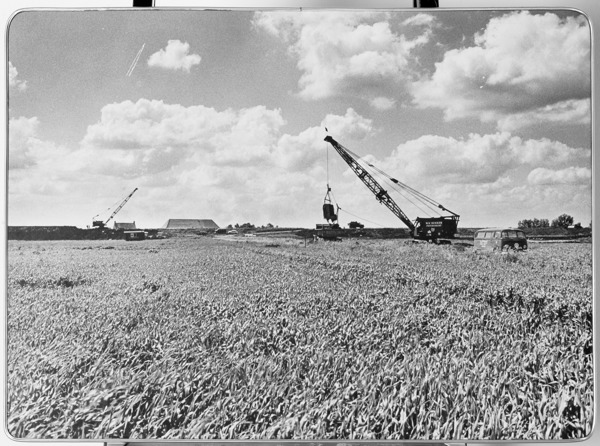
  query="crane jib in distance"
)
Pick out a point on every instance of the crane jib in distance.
point(430, 228)
point(102, 224)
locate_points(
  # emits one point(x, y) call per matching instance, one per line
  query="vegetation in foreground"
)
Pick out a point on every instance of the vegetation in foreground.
point(361, 339)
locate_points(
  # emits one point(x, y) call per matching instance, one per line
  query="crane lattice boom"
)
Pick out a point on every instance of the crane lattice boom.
point(101, 224)
point(380, 193)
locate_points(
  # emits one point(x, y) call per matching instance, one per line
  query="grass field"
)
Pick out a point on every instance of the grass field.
point(211, 338)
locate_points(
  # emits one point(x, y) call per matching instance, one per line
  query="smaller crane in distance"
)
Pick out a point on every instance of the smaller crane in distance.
point(102, 224)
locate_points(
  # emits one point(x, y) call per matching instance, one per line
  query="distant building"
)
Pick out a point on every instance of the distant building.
point(188, 223)
point(125, 226)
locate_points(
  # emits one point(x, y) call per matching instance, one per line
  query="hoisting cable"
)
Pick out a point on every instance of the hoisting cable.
point(350, 213)
point(362, 161)
point(361, 218)
point(327, 163)
point(395, 188)
point(418, 194)
point(422, 196)
point(430, 203)
point(111, 207)
point(332, 199)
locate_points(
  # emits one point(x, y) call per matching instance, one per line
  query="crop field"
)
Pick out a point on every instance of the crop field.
point(207, 338)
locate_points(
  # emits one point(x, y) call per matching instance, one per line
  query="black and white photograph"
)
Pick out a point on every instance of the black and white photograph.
point(299, 224)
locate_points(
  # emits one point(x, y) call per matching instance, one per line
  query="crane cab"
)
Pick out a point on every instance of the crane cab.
point(436, 228)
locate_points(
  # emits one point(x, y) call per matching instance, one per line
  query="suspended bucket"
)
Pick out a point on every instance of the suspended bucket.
point(329, 212)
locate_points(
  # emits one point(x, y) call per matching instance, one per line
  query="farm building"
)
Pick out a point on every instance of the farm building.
point(186, 223)
point(125, 226)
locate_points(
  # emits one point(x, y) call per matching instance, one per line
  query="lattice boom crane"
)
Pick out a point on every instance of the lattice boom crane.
point(102, 224)
point(432, 228)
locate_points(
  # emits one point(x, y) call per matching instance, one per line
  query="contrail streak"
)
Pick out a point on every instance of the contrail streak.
point(135, 60)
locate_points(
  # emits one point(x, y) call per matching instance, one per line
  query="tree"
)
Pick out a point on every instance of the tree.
point(534, 223)
point(524, 224)
point(562, 221)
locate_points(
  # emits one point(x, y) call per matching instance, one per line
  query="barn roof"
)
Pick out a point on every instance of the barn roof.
point(189, 223)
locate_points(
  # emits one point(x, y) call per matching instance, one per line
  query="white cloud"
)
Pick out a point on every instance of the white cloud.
point(536, 66)
point(238, 163)
point(349, 126)
point(420, 20)
point(547, 153)
point(22, 142)
point(350, 53)
point(383, 103)
point(480, 159)
point(174, 57)
point(306, 150)
point(477, 159)
point(153, 123)
point(570, 175)
point(38, 170)
point(13, 82)
point(575, 111)
point(495, 175)
point(27, 151)
point(149, 136)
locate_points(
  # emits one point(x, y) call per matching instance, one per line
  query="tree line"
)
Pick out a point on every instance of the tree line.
point(562, 221)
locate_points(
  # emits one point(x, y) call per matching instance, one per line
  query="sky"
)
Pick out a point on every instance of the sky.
point(222, 114)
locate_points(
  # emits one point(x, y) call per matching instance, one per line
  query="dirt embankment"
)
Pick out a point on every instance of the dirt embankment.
point(61, 233)
point(74, 233)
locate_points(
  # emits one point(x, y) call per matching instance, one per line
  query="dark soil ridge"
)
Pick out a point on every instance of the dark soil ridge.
point(74, 233)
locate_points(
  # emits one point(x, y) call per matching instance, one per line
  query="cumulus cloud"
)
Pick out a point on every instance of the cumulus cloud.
point(240, 165)
point(383, 103)
point(480, 159)
point(36, 168)
point(477, 159)
point(535, 66)
point(498, 174)
point(150, 136)
point(153, 123)
point(420, 20)
point(354, 53)
point(575, 111)
point(306, 150)
point(238, 159)
point(13, 82)
point(26, 150)
point(570, 175)
point(175, 56)
point(187, 161)
point(22, 142)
